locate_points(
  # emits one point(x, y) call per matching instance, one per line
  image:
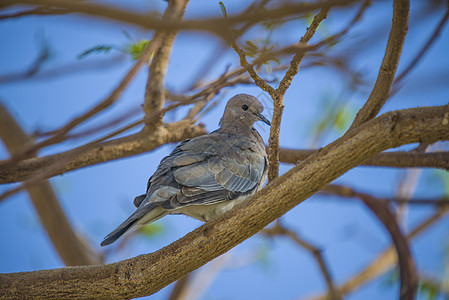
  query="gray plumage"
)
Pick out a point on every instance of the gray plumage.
point(206, 176)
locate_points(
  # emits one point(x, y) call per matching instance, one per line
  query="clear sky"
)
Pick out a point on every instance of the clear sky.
point(96, 199)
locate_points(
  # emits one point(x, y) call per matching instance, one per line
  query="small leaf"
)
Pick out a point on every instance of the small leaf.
point(136, 49)
point(97, 49)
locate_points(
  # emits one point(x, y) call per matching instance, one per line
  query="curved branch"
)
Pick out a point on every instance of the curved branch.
point(381, 89)
point(142, 275)
point(407, 269)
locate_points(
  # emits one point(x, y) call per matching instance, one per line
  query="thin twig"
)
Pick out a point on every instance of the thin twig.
point(278, 97)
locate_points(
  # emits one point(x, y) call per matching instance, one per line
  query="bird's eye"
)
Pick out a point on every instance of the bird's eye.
point(245, 107)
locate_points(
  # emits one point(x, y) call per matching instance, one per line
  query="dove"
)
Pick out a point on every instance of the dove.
point(206, 176)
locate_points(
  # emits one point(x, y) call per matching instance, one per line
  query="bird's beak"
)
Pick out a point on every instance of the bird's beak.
point(263, 119)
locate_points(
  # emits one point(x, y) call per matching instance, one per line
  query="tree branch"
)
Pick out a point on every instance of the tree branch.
point(396, 159)
point(71, 249)
point(385, 77)
point(348, 192)
point(217, 26)
point(141, 275)
point(155, 90)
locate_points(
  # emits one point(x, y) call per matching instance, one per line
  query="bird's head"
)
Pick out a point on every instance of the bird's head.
point(243, 109)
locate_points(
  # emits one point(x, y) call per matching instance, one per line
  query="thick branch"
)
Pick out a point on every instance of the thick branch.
point(69, 246)
point(106, 151)
point(385, 77)
point(142, 275)
point(397, 159)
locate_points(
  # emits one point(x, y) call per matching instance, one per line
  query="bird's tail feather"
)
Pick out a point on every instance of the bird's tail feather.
point(144, 214)
point(118, 232)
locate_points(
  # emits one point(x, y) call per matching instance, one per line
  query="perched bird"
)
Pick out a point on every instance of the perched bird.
point(206, 176)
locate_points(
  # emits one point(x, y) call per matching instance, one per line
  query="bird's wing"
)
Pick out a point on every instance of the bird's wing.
point(216, 168)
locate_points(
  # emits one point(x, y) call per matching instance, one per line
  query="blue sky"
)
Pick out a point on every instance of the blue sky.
point(96, 199)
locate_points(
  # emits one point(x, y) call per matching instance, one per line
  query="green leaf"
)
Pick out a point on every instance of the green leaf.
point(223, 9)
point(97, 49)
point(136, 49)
